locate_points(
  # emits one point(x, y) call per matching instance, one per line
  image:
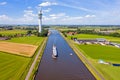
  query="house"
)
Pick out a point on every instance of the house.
point(72, 33)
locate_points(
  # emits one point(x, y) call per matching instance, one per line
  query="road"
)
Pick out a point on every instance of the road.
point(34, 62)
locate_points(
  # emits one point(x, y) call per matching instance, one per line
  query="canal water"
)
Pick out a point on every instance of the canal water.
point(65, 66)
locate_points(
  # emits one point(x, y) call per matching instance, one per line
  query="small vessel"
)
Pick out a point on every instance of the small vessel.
point(54, 55)
point(71, 54)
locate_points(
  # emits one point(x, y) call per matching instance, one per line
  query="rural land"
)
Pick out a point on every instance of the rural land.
point(59, 40)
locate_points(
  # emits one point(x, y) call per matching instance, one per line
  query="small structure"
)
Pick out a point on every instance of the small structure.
point(103, 62)
point(4, 38)
point(71, 33)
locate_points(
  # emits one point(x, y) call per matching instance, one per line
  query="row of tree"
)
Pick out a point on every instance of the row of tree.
point(115, 34)
point(79, 31)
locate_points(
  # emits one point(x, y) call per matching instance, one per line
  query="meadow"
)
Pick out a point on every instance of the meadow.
point(107, 53)
point(33, 40)
point(12, 32)
point(14, 67)
point(96, 52)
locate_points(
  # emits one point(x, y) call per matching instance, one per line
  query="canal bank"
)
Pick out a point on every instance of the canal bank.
point(87, 63)
point(36, 59)
point(65, 66)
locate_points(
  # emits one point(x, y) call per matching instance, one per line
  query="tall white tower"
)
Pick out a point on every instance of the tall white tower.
point(40, 20)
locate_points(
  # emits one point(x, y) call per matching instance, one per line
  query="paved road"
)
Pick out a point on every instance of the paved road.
point(34, 62)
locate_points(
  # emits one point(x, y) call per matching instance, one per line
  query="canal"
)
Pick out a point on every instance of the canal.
point(65, 66)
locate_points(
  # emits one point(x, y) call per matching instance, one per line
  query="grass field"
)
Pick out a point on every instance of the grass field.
point(106, 53)
point(17, 48)
point(92, 36)
point(12, 32)
point(33, 40)
point(12, 67)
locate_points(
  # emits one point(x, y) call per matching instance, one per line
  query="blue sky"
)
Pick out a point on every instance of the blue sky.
point(90, 12)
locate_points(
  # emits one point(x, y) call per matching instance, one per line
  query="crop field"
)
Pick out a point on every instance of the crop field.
point(10, 32)
point(107, 53)
point(12, 67)
point(92, 36)
point(118, 31)
point(33, 40)
point(17, 48)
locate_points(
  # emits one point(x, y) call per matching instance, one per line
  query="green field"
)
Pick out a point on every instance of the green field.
point(106, 53)
point(13, 67)
point(34, 40)
point(92, 36)
point(12, 32)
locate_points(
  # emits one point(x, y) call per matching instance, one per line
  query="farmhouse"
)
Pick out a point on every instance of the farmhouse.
point(72, 33)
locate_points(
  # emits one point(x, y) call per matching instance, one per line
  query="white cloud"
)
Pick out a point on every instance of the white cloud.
point(28, 15)
point(3, 3)
point(47, 10)
point(57, 15)
point(44, 4)
point(90, 16)
point(4, 17)
point(29, 7)
point(75, 7)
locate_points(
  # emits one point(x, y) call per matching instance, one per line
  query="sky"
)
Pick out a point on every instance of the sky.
point(63, 12)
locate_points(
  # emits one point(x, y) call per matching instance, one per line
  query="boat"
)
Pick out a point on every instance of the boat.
point(54, 55)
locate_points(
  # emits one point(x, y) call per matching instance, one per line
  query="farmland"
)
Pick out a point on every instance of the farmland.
point(12, 32)
point(106, 53)
point(12, 67)
point(15, 67)
point(96, 52)
point(19, 49)
point(33, 40)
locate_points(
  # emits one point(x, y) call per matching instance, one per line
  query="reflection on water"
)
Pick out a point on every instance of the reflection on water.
point(65, 66)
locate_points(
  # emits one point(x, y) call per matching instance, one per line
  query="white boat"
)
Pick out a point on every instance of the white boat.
point(54, 55)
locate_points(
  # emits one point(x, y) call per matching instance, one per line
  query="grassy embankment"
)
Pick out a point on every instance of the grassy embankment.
point(106, 53)
point(14, 67)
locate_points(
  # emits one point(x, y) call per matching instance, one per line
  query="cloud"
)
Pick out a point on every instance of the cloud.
point(90, 16)
point(28, 18)
point(28, 15)
point(57, 15)
point(47, 10)
point(3, 3)
point(44, 4)
point(29, 7)
point(4, 17)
